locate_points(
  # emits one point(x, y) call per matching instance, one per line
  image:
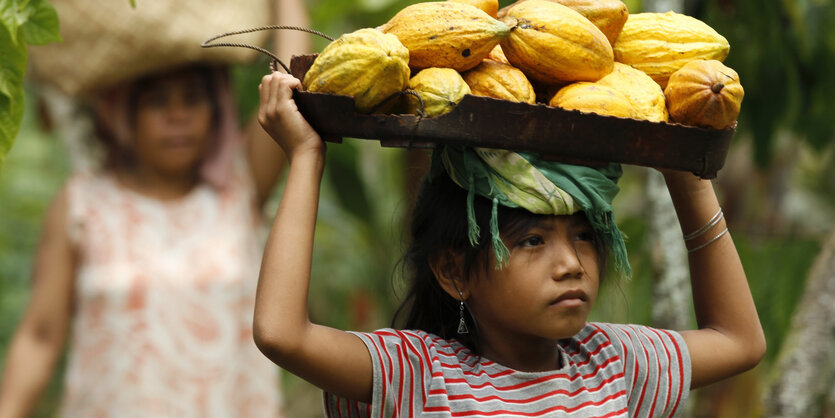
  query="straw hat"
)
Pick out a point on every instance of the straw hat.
point(107, 42)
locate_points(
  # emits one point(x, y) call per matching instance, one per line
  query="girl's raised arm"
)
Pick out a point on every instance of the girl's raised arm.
point(334, 360)
point(730, 338)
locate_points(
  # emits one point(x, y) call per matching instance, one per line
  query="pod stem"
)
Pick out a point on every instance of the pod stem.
point(511, 22)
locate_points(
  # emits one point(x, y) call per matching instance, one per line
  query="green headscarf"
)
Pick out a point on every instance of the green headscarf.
point(543, 187)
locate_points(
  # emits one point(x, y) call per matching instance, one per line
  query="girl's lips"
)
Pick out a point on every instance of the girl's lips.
point(569, 303)
point(571, 299)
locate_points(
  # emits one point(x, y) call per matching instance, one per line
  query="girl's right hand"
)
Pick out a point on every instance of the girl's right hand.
point(280, 117)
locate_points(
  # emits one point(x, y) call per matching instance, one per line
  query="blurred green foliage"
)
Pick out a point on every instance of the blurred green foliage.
point(30, 177)
point(784, 52)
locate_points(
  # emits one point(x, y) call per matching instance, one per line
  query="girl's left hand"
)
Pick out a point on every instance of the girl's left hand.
point(280, 117)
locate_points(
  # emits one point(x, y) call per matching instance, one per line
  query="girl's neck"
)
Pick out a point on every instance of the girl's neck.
point(523, 355)
point(157, 185)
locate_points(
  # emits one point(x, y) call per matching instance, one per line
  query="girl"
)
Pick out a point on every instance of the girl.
point(506, 258)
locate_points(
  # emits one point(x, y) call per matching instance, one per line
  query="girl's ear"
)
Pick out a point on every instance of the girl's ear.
point(447, 267)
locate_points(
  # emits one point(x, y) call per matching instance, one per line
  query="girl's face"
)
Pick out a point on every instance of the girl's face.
point(173, 123)
point(546, 290)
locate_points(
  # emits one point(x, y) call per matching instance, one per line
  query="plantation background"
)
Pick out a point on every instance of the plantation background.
point(777, 190)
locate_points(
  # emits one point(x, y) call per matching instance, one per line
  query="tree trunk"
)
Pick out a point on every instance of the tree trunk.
point(73, 126)
point(671, 293)
point(804, 373)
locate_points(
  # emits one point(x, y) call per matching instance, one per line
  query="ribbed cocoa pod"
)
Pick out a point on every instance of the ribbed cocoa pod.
point(552, 43)
point(367, 65)
point(446, 34)
point(608, 15)
point(593, 98)
point(705, 93)
point(440, 89)
point(644, 93)
point(500, 81)
point(496, 54)
point(661, 43)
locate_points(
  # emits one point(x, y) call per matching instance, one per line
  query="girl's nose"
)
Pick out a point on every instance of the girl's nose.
point(566, 261)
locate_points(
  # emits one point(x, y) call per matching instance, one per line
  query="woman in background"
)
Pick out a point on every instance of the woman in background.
point(148, 266)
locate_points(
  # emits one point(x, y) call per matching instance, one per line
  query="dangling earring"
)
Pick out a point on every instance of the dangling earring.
point(462, 324)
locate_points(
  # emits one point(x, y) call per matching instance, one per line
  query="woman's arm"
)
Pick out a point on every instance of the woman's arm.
point(266, 160)
point(730, 338)
point(333, 360)
point(39, 340)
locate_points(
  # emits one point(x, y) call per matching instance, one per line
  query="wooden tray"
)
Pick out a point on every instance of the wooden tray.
point(557, 134)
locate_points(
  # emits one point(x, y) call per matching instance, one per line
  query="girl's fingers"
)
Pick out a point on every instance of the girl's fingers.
point(264, 89)
point(278, 114)
point(276, 91)
point(290, 82)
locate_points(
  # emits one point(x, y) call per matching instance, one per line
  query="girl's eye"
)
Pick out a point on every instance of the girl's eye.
point(532, 241)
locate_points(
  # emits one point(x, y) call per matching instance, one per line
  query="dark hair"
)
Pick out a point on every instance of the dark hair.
point(439, 224)
point(117, 154)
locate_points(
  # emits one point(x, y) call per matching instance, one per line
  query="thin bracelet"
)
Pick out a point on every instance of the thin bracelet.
point(710, 224)
point(709, 242)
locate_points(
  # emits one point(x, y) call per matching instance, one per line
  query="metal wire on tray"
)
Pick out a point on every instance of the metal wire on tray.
point(207, 43)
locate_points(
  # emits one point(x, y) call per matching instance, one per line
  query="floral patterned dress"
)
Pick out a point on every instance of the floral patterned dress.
point(163, 306)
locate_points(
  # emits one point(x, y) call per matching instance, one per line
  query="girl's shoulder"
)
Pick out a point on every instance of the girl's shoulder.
point(411, 337)
point(628, 337)
point(418, 344)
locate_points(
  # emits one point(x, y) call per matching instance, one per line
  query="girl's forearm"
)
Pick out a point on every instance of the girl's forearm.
point(281, 313)
point(721, 296)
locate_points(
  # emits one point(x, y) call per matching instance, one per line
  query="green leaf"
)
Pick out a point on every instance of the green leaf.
point(12, 70)
point(42, 25)
point(11, 19)
point(21, 22)
point(133, 3)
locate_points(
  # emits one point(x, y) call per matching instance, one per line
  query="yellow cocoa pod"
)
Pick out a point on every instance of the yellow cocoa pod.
point(446, 34)
point(440, 89)
point(552, 43)
point(644, 93)
point(501, 81)
point(593, 98)
point(496, 54)
point(491, 7)
point(661, 43)
point(608, 15)
point(705, 93)
point(367, 65)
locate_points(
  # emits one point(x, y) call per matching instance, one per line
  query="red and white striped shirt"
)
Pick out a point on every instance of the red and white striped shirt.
point(608, 370)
